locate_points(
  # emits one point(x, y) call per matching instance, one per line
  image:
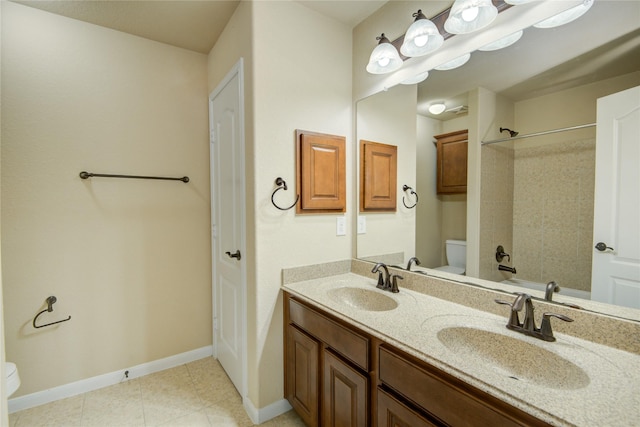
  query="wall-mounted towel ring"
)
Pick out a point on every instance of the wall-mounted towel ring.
point(50, 301)
point(405, 188)
point(282, 185)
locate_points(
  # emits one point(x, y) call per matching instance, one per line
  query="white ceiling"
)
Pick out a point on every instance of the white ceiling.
point(189, 24)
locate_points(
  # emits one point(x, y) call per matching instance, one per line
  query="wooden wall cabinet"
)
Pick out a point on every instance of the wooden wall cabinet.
point(321, 172)
point(378, 176)
point(452, 162)
point(337, 375)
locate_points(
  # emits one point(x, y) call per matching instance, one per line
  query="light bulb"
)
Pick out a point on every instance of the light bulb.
point(470, 14)
point(383, 62)
point(420, 40)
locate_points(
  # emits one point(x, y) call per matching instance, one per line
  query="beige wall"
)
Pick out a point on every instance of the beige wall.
point(429, 209)
point(297, 76)
point(390, 118)
point(4, 420)
point(127, 259)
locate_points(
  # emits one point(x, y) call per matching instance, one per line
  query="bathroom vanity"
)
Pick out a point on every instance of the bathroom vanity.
point(357, 356)
point(336, 374)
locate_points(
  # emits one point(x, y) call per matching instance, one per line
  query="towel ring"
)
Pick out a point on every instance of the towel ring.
point(50, 301)
point(282, 185)
point(405, 188)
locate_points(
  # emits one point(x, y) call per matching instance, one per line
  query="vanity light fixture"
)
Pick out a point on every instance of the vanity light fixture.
point(503, 42)
point(437, 108)
point(467, 16)
point(416, 79)
point(454, 63)
point(422, 37)
point(384, 58)
point(566, 16)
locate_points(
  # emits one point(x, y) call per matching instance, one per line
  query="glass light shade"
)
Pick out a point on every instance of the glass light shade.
point(416, 79)
point(437, 108)
point(454, 63)
point(503, 42)
point(384, 58)
point(421, 38)
point(467, 16)
point(566, 16)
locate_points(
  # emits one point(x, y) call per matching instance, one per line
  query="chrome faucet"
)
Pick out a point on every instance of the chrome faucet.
point(386, 281)
point(412, 260)
point(551, 288)
point(528, 324)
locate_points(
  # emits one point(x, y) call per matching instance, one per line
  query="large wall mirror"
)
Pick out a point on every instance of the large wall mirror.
point(535, 197)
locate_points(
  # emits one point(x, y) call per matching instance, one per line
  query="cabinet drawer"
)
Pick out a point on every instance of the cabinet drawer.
point(346, 342)
point(445, 397)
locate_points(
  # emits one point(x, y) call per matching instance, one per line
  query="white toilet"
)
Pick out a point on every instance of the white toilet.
point(456, 257)
point(13, 379)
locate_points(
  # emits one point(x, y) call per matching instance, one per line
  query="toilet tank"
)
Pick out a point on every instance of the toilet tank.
point(456, 253)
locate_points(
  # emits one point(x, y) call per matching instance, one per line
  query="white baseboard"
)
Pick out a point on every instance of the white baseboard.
point(259, 416)
point(105, 380)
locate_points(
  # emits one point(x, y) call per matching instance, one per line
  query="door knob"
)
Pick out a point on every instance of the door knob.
point(601, 246)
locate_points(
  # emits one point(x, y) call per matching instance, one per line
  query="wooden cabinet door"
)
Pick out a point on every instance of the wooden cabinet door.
point(345, 394)
point(321, 172)
point(302, 375)
point(378, 176)
point(393, 413)
point(452, 162)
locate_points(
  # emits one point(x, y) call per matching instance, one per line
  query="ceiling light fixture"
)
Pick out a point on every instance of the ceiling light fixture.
point(437, 108)
point(384, 58)
point(454, 63)
point(467, 16)
point(422, 37)
point(503, 42)
point(566, 16)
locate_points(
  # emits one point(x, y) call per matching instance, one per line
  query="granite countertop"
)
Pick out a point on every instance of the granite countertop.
point(590, 384)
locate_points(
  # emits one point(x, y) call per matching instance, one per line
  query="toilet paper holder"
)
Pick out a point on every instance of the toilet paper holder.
point(50, 301)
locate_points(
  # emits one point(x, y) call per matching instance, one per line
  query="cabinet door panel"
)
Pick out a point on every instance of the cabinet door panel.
point(452, 162)
point(393, 413)
point(345, 394)
point(302, 386)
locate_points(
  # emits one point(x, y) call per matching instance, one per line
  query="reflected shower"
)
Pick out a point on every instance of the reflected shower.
point(511, 132)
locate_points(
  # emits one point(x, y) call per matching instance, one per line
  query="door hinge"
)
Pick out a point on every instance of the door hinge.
point(215, 323)
point(212, 136)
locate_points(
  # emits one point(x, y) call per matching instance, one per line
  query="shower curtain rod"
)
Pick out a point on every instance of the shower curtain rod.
point(546, 132)
point(85, 175)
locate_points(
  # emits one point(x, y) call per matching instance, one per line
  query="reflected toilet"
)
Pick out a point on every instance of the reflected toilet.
point(456, 251)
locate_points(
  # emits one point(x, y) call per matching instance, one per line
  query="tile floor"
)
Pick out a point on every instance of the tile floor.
point(192, 395)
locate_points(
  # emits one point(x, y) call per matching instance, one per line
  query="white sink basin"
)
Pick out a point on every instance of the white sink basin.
point(363, 299)
point(516, 358)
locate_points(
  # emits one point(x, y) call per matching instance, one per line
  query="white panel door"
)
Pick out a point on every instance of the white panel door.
point(616, 260)
point(227, 215)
